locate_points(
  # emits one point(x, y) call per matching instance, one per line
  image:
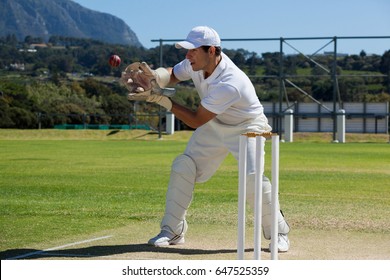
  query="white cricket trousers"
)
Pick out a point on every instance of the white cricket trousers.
point(207, 148)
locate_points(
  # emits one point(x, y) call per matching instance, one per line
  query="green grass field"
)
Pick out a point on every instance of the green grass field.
point(57, 186)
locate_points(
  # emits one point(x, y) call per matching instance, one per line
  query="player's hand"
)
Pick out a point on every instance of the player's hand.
point(138, 81)
point(144, 84)
point(160, 100)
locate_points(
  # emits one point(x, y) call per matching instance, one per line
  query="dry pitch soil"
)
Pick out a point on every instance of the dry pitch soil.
point(214, 243)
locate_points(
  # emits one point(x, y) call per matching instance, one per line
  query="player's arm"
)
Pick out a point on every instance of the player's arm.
point(191, 118)
point(172, 80)
point(145, 84)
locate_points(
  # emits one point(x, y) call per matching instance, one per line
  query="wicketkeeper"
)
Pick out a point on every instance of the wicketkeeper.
point(229, 107)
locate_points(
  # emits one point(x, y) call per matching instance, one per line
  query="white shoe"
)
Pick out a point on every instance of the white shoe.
point(165, 238)
point(283, 243)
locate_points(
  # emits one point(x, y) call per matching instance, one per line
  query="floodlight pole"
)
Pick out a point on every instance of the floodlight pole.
point(281, 78)
point(335, 86)
point(159, 107)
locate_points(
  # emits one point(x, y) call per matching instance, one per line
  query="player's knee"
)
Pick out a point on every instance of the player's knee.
point(184, 166)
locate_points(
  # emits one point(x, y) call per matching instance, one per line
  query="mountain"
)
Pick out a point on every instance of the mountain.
point(44, 18)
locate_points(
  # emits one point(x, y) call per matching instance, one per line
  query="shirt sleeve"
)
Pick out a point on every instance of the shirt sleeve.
point(182, 70)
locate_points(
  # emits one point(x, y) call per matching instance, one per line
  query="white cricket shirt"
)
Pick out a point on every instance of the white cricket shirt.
point(227, 92)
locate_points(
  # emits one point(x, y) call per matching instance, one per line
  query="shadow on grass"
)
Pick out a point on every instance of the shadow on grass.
point(112, 132)
point(109, 250)
point(116, 131)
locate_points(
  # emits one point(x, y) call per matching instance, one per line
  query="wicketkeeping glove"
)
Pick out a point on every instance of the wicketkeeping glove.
point(145, 84)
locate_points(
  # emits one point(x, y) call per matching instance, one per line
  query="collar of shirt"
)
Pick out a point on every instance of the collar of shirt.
point(217, 71)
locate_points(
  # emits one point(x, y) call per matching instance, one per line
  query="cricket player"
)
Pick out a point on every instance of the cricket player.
point(228, 108)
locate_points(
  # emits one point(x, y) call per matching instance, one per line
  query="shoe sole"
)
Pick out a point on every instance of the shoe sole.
point(174, 241)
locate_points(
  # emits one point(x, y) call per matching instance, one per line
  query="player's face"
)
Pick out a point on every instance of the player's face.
point(199, 59)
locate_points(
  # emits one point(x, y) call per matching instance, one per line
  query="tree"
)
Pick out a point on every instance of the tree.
point(23, 118)
point(384, 67)
point(252, 63)
point(61, 64)
point(5, 118)
point(239, 59)
point(271, 63)
point(118, 107)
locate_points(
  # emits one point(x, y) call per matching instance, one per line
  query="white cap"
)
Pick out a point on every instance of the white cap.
point(200, 36)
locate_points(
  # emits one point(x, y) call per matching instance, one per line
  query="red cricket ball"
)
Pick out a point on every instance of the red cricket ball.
point(114, 60)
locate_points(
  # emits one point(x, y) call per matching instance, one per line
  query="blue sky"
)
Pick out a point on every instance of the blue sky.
point(173, 19)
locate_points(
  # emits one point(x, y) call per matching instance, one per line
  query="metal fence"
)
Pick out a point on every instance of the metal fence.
point(308, 117)
point(311, 117)
point(283, 79)
point(153, 121)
